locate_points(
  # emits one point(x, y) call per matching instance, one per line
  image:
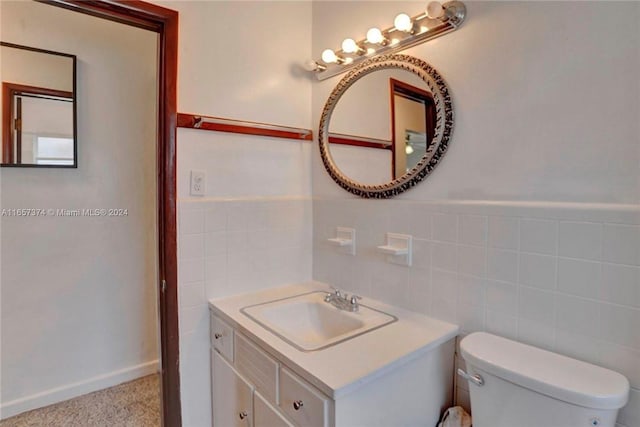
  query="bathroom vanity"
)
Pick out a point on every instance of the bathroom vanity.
point(289, 357)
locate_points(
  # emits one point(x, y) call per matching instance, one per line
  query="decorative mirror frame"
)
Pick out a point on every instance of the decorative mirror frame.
point(443, 127)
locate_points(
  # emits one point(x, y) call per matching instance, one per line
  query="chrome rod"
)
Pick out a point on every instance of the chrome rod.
point(476, 379)
point(199, 121)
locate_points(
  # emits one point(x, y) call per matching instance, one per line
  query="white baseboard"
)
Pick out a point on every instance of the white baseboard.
point(69, 391)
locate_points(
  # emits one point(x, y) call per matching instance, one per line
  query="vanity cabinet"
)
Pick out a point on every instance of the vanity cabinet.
point(232, 395)
point(253, 388)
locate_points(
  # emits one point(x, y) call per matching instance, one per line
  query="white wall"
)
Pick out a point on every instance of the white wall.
point(253, 228)
point(530, 226)
point(546, 102)
point(78, 293)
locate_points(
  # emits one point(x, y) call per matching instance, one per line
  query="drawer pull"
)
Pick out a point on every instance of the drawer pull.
point(217, 335)
point(297, 404)
point(243, 415)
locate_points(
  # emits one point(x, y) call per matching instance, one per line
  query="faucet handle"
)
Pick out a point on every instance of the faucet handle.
point(336, 291)
point(354, 299)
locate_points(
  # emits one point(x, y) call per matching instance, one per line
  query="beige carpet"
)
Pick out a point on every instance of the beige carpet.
point(132, 404)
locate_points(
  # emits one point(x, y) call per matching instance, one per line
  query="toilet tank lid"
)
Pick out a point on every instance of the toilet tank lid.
point(548, 373)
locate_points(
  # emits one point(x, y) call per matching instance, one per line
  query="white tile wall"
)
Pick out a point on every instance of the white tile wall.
point(564, 277)
point(229, 247)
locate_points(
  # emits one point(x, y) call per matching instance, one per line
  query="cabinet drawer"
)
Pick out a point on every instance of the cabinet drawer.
point(222, 337)
point(257, 366)
point(265, 415)
point(232, 395)
point(302, 402)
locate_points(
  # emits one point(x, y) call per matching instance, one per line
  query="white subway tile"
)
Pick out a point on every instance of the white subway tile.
point(191, 270)
point(472, 260)
point(216, 218)
point(472, 230)
point(419, 222)
point(538, 236)
point(578, 277)
point(192, 294)
point(470, 317)
point(421, 257)
point(622, 244)
point(502, 297)
point(443, 309)
point(191, 246)
point(534, 304)
point(580, 240)
point(215, 243)
point(444, 227)
point(502, 265)
point(444, 256)
point(444, 285)
point(419, 290)
point(538, 334)
point(503, 232)
point(620, 284)
point(471, 290)
point(216, 276)
point(193, 318)
point(537, 270)
point(623, 360)
point(578, 315)
point(191, 221)
point(581, 347)
point(501, 324)
point(620, 325)
point(236, 241)
point(237, 216)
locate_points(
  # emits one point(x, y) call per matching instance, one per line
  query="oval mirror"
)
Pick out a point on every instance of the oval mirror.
point(385, 126)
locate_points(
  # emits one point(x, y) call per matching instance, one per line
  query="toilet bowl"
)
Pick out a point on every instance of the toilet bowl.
point(516, 385)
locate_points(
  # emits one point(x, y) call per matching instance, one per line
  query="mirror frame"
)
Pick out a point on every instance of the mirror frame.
point(7, 131)
point(436, 150)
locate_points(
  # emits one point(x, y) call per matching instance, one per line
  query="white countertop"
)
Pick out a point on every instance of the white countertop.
point(344, 367)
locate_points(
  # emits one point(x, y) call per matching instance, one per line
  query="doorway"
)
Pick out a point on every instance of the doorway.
point(164, 22)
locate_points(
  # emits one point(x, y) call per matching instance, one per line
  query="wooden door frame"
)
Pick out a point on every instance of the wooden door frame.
point(164, 22)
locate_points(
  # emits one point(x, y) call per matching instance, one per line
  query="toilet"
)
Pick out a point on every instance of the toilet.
point(516, 385)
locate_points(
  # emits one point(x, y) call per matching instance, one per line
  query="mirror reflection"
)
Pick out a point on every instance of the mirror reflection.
point(382, 126)
point(38, 107)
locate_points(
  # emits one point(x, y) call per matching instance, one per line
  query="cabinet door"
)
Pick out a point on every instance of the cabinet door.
point(266, 415)
point(232, 395)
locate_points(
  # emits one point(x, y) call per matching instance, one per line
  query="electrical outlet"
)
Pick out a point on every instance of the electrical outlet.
point(198, 179)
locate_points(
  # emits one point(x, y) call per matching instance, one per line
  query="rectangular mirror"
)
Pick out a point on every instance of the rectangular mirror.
point(38, 107)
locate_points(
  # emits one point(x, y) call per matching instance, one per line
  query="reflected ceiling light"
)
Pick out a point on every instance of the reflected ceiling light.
point(436, 20)
point(403, 22)
point(408, 149)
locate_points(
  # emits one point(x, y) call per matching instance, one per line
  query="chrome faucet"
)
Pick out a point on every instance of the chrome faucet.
point(343, 302)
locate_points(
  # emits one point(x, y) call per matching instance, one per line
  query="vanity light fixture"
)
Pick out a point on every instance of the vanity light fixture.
point(407, 31)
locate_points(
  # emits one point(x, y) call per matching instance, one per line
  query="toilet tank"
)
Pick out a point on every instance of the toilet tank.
point(525, 386)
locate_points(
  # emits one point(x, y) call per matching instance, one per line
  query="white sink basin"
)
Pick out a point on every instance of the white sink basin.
point(309, 323)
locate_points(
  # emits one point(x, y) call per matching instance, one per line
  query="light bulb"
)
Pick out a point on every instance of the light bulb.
point(374, 36)
point(349, 46)
point(329, 56)
point(434, 10)
point(408, 149)
point(311, 65)
point(403, 23)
